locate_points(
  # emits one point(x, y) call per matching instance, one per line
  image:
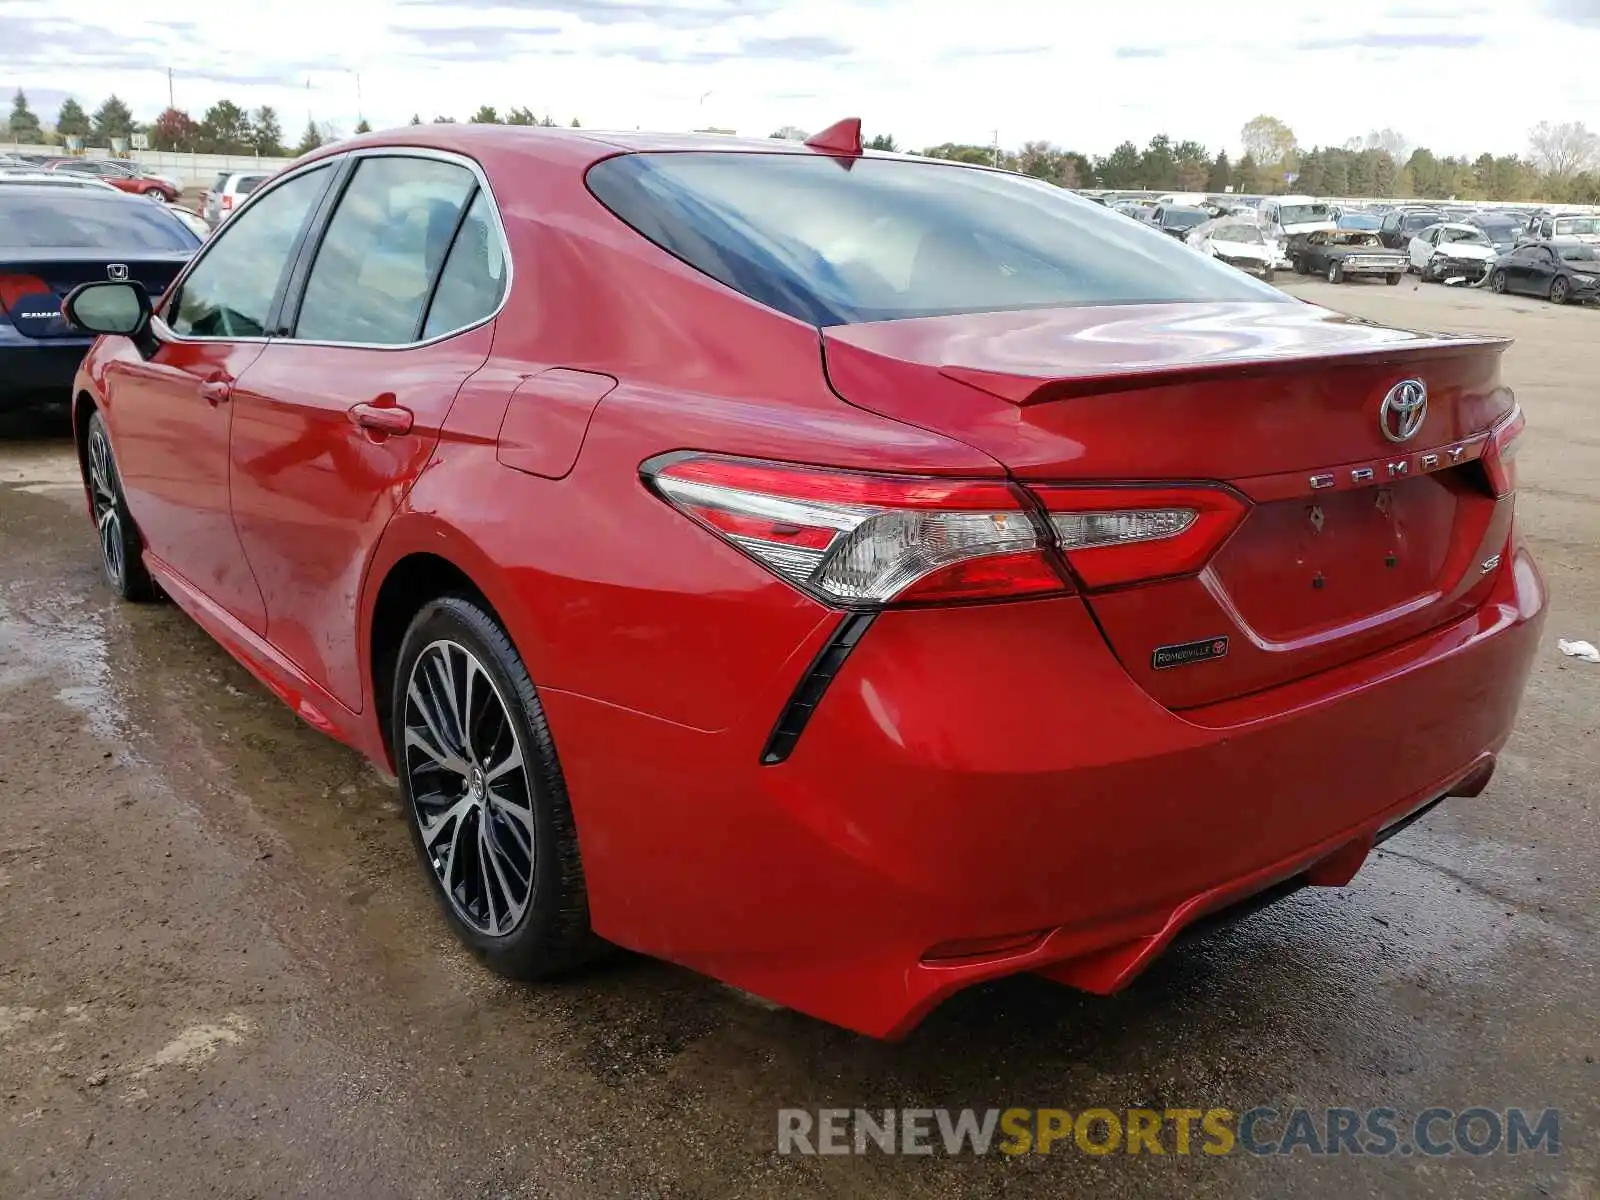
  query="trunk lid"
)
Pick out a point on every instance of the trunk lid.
point(1279, 401)
point(36, 283)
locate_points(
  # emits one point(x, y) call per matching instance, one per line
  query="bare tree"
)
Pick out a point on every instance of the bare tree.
point(1391, 141)
point(1563, 150)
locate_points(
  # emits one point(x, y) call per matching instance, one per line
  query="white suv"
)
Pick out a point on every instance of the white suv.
point(229, 191)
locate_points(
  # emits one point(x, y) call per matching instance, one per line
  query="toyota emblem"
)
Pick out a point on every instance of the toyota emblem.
point(1403, 410)
point(117, 272)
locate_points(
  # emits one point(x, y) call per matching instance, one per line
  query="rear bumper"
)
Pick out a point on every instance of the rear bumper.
point(991, 772)
point(33, 371)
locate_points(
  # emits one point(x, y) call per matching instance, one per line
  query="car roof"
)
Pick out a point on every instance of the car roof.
point(579, 145)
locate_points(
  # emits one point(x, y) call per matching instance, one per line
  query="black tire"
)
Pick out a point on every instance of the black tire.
point(1393, 280)
point(1560, 289)
point(1497, 283)
point(1336, 271)
point(121, 546)
point(551, 935)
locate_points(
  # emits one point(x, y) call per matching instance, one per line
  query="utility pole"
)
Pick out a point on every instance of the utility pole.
point(171, 103)
point(997, 147)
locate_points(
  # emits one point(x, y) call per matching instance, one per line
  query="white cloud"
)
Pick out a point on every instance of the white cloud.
point(1084, 75)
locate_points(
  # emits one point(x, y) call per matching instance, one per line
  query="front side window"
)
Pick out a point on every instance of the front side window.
point(891, 239)
point(230, 291)
point(474, 275)
point(382, 251)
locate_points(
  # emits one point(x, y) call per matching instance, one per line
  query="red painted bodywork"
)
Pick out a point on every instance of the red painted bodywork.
point(1013, 777)
point(139, 185)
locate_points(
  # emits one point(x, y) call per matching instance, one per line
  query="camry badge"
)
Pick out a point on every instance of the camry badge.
point(117, 272)
point(1403, 410)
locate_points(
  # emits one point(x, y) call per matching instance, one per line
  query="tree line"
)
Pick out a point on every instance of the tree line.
point(1561, 164)
point(224, 127)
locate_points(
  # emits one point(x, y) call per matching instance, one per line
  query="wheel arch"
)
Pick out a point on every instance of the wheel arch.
point(421, 560)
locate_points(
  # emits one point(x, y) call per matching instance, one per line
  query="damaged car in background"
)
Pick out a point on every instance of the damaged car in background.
point(1240, 243)
point(1451, 253)
point(1341, 253)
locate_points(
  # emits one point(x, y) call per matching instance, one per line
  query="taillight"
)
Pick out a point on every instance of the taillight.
point(866, 540)
point(227, 201)
point(1122, 535)
point(1500, 454)
point(14, 287)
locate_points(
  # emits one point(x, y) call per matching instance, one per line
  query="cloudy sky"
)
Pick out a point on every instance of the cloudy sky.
point(1456, 76)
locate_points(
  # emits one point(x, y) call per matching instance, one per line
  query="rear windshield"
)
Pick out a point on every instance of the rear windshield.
point(84, 220)
point(1419, 220)
point(835, 242)
point(248, 184)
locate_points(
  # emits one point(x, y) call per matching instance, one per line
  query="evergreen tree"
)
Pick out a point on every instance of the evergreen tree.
point(1220, 177)
point(24, 125)
point(310, 139)
point(111, 119)
point(72, 119)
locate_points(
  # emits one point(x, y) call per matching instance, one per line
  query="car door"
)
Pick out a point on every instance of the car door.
point(390, 316)
point(1517, 267)
point(1540, 272)
point(170, 413)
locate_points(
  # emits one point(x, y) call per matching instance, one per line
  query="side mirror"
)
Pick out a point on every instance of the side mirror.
point(121, 309)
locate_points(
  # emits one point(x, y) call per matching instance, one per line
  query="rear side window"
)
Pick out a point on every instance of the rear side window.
point(52, 216)
point(474, 275)
point(248, 184)
point(382, 251)
point(832, 242)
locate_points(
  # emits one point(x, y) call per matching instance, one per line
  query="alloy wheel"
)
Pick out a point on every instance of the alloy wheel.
point(471, 793)
point(107, 507)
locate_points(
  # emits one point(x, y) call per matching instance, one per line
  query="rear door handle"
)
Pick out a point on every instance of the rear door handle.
point(217, 391)
point(385, 418)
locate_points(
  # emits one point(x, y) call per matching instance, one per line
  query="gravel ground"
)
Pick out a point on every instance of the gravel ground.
point(221, 973)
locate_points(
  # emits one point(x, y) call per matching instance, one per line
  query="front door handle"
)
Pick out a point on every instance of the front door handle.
point(217, 391)
point(382, 418)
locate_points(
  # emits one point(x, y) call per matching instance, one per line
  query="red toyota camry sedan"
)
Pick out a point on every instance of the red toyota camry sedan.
point(851, 576)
